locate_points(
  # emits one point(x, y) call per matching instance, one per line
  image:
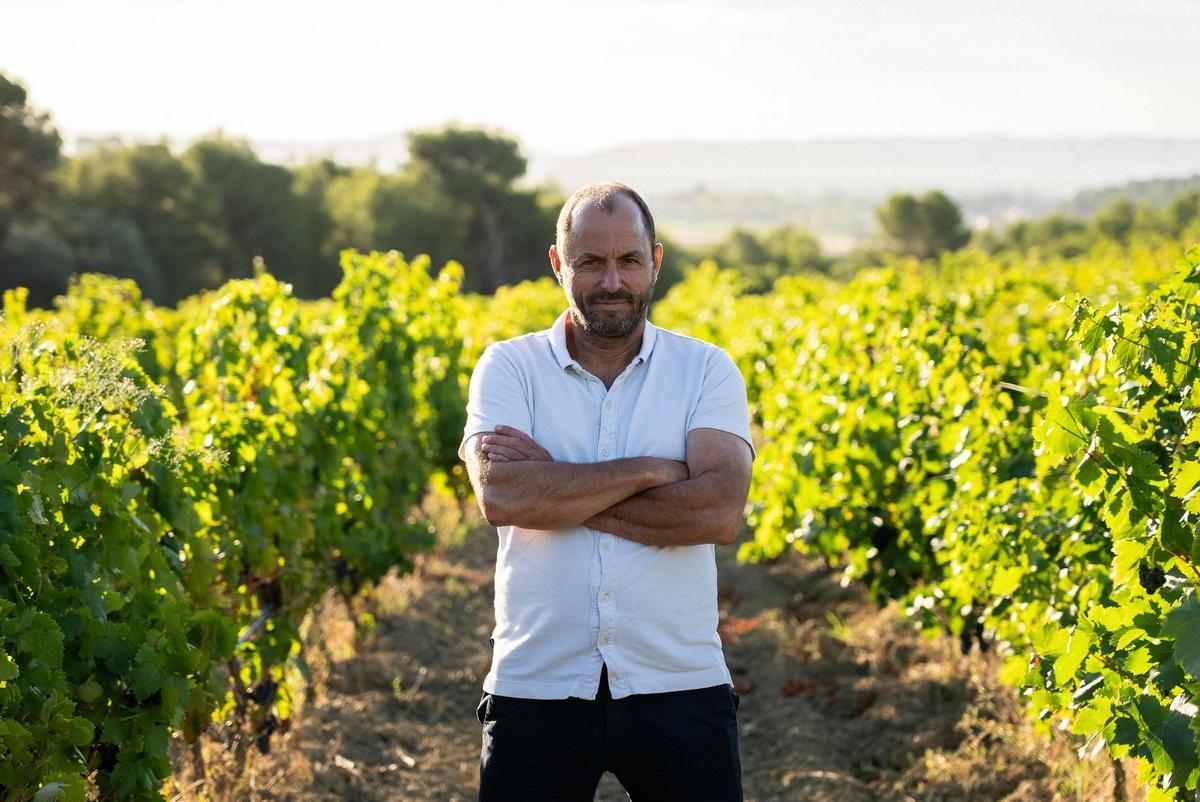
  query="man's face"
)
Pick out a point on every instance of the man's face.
point(608, 269)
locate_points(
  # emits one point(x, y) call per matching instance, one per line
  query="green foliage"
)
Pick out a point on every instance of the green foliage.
point(1115, 220)
point(156, 191)
point(507, 228)
point(1054, 235)
point(763, 259)
point(109, 245)
point(29, 151)
point(35, 257)
point(1022, 473)
point(922, 227)
point(376, 211)
point(510, 312)
point(259, 212)
point(180, 494)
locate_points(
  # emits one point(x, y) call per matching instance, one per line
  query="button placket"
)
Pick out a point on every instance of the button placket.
point(607, 591)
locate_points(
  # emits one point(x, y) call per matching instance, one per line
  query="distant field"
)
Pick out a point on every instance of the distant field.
point(694, 233)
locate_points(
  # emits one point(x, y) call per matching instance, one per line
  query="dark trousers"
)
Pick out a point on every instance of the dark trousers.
point(663, 747)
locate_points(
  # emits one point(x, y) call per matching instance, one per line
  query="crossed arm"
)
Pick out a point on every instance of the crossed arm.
point(650, 500)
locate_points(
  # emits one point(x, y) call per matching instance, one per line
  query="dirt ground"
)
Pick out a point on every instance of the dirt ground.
point(841, 701)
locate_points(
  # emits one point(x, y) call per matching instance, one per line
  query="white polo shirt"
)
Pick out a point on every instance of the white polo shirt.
point(572, 600)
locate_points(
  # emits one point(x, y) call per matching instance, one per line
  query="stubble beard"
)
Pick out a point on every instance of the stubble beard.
point(596, 324)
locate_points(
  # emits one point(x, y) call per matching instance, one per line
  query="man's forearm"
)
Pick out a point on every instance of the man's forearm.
point(536, 494)
point(699, 510)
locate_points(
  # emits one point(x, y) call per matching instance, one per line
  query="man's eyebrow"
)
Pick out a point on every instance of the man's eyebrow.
point(588, 255)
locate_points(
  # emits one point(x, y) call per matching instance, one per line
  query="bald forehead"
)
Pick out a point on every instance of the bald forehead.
point(617, 219)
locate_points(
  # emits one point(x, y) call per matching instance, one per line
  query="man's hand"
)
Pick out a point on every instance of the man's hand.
point(512, 445)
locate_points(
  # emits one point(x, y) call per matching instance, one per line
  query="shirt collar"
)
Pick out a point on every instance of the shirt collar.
point(558, 343)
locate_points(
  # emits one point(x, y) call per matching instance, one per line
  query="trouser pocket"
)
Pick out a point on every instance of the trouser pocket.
point(481, 710)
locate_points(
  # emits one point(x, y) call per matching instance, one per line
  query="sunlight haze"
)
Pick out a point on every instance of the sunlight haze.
point(569, 77)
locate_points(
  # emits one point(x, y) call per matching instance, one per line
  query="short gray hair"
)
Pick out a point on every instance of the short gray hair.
point(603, 194)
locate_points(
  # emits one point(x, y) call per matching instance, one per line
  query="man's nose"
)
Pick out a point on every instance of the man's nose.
point(611, 280)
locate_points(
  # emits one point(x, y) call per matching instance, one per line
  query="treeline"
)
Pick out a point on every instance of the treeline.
point(929, 225)
point(1119, 220)
point(182, 222)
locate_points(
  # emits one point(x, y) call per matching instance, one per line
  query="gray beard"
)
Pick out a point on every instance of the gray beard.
point(597, 326)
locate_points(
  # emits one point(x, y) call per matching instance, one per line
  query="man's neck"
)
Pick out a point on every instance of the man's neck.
point(603, 357)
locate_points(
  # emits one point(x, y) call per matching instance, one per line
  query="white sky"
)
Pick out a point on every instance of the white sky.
point(567, 76)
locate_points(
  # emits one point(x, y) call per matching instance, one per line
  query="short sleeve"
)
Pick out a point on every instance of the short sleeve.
point(722, 404)
point(497, 396)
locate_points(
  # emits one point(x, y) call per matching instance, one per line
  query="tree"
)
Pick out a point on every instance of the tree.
point(371, 210)
point(764, 258)
point(311, 184)
point(741, 248)
point(1056, 234)
point(508, 229)
point(102, 244)
point(795, 250)
point(29, 152)
point(922, 227)
point(36, 257)
point(258, 211)
point(1183, 213)
point(1115, 219)
point(150, 187)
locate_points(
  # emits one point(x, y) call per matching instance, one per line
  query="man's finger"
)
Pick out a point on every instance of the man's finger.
point(527, 447)
point(507, 442)
point(505, 451)
point(509, 431)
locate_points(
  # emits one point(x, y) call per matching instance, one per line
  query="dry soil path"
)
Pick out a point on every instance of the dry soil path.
point(841, 701)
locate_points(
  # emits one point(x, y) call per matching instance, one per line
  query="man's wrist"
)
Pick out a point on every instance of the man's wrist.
point(659, 471)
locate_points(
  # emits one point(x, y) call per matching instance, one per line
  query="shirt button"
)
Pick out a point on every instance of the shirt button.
point(608, 404)
point(604, 452)
point(603, 597)
point(604, 641)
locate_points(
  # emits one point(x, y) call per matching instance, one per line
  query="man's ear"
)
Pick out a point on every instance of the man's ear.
point(658, 257)
point(556, 264)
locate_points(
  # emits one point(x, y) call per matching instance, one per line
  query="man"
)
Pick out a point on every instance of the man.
point(612, 456)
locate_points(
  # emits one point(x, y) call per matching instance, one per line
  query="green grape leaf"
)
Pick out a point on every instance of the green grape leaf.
point(1183, 624)
point(1175, 536)
point(89, 691)
point(8, 668)
point(1125, 735)
point(1156, 794)
point(1139, 661)
point(1065, 667)
point(1187, 486)
point(51, 792)
point(147, 672)
point(1006, 580)
point(1171, 744)
point(1093, 717)
point(80, 732)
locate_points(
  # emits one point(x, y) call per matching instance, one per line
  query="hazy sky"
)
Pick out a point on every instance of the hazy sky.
point(567, 76)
